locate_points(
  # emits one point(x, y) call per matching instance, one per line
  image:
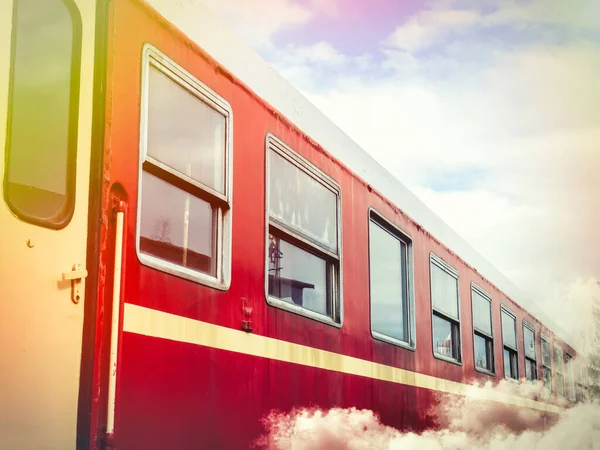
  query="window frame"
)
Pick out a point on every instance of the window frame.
point(570, 373)
point(222, 204)
point(543, 338)
point(334, 277)
point(378, 219)
point(530, 327)
point(444, 266)
point(475, 288)
point(505, 310)
point(64, 216)
point(557, 372)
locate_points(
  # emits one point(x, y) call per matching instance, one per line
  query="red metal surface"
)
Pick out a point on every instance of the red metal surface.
point(175, 395)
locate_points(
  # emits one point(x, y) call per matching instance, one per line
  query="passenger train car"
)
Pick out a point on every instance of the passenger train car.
point(188, 244)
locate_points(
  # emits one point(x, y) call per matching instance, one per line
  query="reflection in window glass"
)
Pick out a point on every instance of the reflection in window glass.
point(299, 201)
point(510, 364)
point(387, 259)
point(546, 353)
point(509, 330)
point(482, 319)
point(483, 353)
point(442, 338)
point(444, 291)
point(297, 276)
point(530, 369)
point(547, 378)
point(559, 364)
point(529, 339)
point(42, 112)
point(184, 132)
point(571, 376)
point(179, 228)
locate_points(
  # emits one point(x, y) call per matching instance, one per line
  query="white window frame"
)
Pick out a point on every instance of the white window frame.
point(411, 344)
point(530, 327)
point(223, 211)
point(441, 264)
point(504, 309)
point(273, 143)
point(544, 365)
point(476, 331)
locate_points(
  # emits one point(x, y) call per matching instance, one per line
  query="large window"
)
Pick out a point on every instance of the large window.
point(41, 142)
point(483, 338)
point(390, 254)
point(446, 310)
point(184, 203)
point(303, 248)
point(547, 364)
point(580, 368)
point(570, 376)
point(530, 353)
point(560, 370)
point(509, 341)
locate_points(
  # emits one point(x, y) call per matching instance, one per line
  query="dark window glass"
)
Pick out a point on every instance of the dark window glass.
point(445, 338)
point(530, 369)
point(42, 116)
point(389, 306)
point(570, 376)
point(179, 228)
point(509, 330)
point(511, 369)
point(444, 292)
point(482, 319)
point(297, 276)
point(484, 353)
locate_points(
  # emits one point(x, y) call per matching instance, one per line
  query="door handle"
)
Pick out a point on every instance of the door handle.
point(75, 276)
point(77, 273)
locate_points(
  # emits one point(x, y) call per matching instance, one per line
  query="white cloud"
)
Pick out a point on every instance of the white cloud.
point(430, 27)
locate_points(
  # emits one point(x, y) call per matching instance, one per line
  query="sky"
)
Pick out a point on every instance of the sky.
point(488, 110)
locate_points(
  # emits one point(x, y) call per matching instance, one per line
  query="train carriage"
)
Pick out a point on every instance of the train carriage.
point(188, 244)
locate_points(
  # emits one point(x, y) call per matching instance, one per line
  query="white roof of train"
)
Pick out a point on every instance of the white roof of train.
point(200, 24)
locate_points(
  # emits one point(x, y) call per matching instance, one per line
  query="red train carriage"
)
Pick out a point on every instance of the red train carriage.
point(196, 246)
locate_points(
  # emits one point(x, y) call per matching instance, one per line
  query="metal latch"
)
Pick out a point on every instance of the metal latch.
point(76, 274)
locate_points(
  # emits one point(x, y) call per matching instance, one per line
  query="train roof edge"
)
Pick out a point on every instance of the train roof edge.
point(201, 25)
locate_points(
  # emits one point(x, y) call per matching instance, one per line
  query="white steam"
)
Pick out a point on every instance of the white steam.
point(464, 422)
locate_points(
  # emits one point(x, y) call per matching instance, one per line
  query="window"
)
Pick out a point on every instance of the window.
point(580, 367)
point(389, 282)
point(483, 340)
point(184, 201)
point(509, 341)
point(530, 353)
point(41, 142)
point(547, 364)
point(570, 376)
point(303, 245)
point(446, 313)
point(560, 370)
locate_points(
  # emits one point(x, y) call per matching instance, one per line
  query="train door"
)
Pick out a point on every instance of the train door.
point(167, 248)
point(46, 79)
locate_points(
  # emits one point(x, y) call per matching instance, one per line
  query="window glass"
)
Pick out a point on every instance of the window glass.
point(387, 259)
point(41, 137)
point(530, 369)
point(444, 291)
point(547, 378)
point(297, 276)
point(508, 330)
point(179, 228)
point(482, 319)
point(529, 340)
point(483, 353)
point(184, 132)
point(560, 384)
point(511, 369)
point(546, 353)
point(442, 337)
point(299, 201)
point(558, 359)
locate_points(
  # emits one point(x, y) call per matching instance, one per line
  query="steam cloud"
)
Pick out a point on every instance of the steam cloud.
point(464, 422)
